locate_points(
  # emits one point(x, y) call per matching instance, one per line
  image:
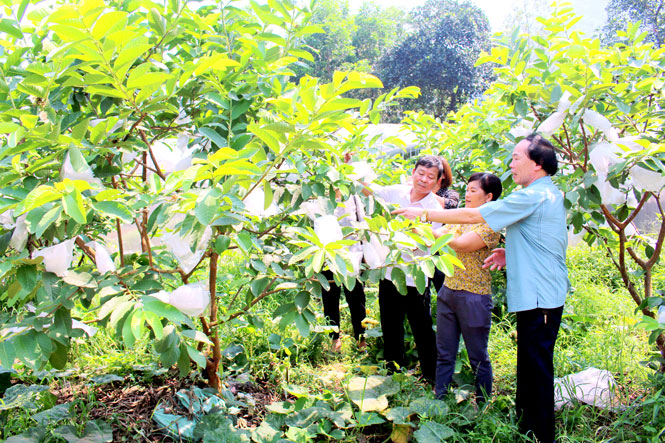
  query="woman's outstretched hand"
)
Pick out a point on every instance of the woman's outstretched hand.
point(410, 213)
point(496, 260)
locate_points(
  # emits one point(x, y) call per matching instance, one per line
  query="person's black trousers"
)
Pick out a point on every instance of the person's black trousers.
point(470, 314)
point(438, 279)
point(355, 299)
point(416, 307)
point(537, 330)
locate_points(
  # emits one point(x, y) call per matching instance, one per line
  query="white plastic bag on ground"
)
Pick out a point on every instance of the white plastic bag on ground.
point(58, 258)
point(592, 386)
point(327, 229)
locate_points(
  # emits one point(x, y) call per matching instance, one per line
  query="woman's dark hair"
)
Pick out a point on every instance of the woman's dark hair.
point(447, 173)
point(488, 183)
point(430, 161)
point(542, 153)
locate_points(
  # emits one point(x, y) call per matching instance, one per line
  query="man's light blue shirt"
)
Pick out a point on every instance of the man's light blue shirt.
point(536, 242)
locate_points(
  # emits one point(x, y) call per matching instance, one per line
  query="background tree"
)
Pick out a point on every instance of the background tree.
point(651, 14)
point(524, 16)
point(438, 56)
point(351, 42)
point(377, 29)
point(331, 49)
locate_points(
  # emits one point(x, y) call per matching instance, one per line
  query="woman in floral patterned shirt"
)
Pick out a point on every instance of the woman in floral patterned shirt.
point(464, 304)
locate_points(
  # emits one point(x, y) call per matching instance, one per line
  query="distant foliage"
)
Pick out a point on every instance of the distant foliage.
point(651, 14)
point(438, 56)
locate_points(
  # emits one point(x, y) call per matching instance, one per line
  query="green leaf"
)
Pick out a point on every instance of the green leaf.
point(244, 241)
point(317, 260)
point(80, 279)
point(69, 33)
point(120, 311)
point(137, 324)
point(302, 325)
point(114, 209)
point(308, 251)
point(131, 53)
point(10, 27)
point(196, 357)
point(222, 243)
point(109, 22)
point(73, 205)
point(268, 196)
point(95, 431)
point(302, 300)
point(440, 243)
point(7, 127)
point(155, 323)
point(39, 196)
point(128, 337)
point(420, 279)
point(58, 358)
point(47, 220)
point(371, 393)
point(432, 432)
point(259, 285)
point(7, 354)
point(164, 310)
point(196, 335)
point(213, 136)
point(141, 80)
point(207, 207)
point(110, 305)
point(399, 280)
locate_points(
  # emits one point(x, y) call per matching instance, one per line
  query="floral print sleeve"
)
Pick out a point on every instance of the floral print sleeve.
point(451, 196)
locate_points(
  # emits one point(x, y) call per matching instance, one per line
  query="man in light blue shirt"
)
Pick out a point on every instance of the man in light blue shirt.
point(535, 256)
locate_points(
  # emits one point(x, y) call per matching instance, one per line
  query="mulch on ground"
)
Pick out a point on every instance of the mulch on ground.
point(128, 406)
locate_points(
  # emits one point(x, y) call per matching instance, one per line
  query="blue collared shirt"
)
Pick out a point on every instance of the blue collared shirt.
point(536, 242)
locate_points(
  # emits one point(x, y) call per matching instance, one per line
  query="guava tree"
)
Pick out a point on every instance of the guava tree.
point(602, 109)
point(141, 141)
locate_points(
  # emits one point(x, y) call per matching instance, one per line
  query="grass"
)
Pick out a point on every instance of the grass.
point(598, 330)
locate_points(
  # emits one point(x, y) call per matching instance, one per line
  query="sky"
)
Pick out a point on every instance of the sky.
point(498, 11)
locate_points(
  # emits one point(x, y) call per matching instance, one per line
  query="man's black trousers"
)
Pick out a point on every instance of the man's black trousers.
point(537, 330)
point(355, 299)
point(416, 307)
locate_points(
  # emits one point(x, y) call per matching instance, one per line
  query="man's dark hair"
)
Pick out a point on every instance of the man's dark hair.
point(430, 161)
point(488, 183)
point(542, 152)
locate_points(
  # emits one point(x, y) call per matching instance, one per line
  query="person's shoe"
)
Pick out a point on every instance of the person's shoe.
point(336, 345)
